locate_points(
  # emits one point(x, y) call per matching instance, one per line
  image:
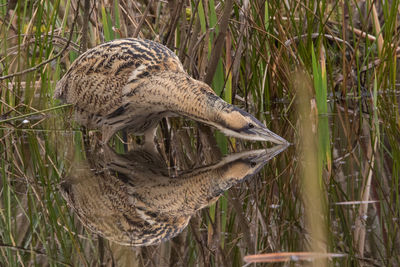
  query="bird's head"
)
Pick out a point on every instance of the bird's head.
point(238, 123)
point(199, 102)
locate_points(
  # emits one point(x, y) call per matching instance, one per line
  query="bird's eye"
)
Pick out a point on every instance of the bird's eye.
point(253, 164)
point(251, 125)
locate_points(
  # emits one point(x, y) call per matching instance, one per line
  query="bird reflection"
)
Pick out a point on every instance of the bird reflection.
point(132, 199)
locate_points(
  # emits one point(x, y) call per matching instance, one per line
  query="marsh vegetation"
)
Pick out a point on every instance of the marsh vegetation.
point(321, 74)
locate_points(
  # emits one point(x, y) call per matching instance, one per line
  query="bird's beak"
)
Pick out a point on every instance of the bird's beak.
point(267, 135)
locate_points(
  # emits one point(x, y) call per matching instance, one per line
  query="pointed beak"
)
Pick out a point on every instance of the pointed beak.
point(267, 135)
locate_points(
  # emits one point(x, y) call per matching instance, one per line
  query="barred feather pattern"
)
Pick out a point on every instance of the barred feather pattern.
point(131, 200)
point(131, 83)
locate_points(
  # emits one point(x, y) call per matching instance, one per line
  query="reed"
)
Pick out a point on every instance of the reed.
point(252, 53)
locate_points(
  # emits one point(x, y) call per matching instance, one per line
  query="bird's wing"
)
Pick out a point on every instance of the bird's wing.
point(95, 80)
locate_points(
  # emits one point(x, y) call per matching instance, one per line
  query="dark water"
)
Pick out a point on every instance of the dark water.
point(202, 198)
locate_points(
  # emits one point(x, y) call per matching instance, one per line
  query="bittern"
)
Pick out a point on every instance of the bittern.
point(132, 84)
point(131, 200)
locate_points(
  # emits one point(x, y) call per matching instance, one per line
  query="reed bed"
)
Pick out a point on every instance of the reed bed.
point(322, 74)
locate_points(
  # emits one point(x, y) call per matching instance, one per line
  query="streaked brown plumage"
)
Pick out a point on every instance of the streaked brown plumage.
point(131, 200)
point(132, 83)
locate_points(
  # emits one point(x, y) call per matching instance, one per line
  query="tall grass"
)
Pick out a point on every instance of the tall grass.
point(252, 53)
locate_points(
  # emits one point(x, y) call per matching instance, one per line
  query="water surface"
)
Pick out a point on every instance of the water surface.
point(45, 160)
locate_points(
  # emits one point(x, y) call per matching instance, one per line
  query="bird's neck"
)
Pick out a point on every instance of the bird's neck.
point(178, 93)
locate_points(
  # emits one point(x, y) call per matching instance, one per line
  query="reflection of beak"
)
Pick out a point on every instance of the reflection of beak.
point(267, 154)
point(268, 135)
point(260, 156)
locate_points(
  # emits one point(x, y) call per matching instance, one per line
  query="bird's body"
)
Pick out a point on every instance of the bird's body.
point(133, 83)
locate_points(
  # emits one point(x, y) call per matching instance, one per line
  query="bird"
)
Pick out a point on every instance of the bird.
point(131, 199)
point(131, 84)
